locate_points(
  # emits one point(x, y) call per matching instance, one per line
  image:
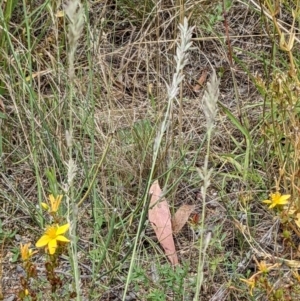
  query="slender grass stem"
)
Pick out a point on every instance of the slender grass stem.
point(181, 60)
point(210, 100)
point(32, 120)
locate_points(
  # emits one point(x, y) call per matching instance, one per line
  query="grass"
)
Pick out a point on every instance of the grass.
point(93, 106)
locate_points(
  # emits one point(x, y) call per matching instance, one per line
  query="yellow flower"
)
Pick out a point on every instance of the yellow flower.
point(251, 283)
point(54, 203)
point(277, 199)
point(263, 267)
point(52, 235)
point(26, 253)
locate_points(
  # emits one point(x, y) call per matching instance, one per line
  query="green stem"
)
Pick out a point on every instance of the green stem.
point(32, 109)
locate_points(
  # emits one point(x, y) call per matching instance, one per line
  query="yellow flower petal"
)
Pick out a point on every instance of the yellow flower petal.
point(26, 253)
point(272, 206)
point(55, 202)
point(43, 241)
point(267, 201)
point(62, 238)
point(251, 283)
point(52, 245)
point(284, 199)
point(51, 198)
point(62, 229)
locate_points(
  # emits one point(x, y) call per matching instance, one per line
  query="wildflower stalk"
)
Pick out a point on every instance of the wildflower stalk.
point(210, 99)
point(52, 241)
point(30, 273)
point(181, 60)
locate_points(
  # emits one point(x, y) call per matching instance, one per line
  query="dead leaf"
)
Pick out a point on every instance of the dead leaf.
point(160, 218)
point(181, 217)
point(200, 81)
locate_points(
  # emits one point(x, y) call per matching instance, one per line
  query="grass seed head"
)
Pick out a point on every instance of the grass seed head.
point(210, 100)
point(74, 11)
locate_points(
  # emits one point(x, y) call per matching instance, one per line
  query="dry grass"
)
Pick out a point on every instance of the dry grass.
point(102, 84)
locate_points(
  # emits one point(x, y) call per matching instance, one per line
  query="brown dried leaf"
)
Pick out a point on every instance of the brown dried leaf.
point(181, 217)
point(200, 81)
point(203, 77)
point(160, 218)
point(196, 88)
